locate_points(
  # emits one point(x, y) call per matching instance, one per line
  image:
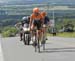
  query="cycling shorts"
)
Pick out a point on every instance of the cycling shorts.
point(37, 24)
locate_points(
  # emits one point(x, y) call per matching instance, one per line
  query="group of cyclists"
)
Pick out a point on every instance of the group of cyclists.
point(38, 19)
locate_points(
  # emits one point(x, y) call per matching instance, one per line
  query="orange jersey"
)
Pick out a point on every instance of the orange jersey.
point(38, 17)
point(42, 16)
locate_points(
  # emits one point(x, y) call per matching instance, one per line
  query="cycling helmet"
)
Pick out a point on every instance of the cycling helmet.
point(24, 18)
point(43, 13)
point(36, 10)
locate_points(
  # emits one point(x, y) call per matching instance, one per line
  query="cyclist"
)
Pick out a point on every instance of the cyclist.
point(36, 20)
point(46, 22)
point(20, 25)
point(26, 21)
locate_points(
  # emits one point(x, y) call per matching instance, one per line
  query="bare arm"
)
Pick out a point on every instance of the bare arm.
point(30, 23)
point(17, 25)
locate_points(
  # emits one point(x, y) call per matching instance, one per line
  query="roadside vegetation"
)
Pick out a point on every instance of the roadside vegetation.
point(7, 28)
point(9, 31)
point(64, 34)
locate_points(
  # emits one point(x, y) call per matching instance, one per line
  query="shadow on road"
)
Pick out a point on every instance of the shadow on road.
point(55, 50)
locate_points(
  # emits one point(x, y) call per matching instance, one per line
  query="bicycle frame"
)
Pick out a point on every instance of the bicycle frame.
point(37, 41)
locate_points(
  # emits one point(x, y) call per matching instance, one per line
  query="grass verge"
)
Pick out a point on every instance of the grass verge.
point(64, 34)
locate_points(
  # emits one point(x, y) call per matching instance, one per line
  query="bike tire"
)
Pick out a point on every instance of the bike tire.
point(29, 38)
point(44, 44)
point(38, 46)
point(35, 43)
point(24, 39)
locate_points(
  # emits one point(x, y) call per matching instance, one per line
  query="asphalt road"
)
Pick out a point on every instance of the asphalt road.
point(57, 49)
point(1, 53)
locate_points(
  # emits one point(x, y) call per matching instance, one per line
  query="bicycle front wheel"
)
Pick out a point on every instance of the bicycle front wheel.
point(38, 45)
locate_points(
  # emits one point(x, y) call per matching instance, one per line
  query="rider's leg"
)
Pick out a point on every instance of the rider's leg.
point(45, 33)
point(32, 28)
point(21, 35)
point(39, 36)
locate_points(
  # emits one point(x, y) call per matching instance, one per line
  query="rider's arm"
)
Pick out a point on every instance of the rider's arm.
point(17, 25)
point(31, 18)
point(42, 19)
point(48, 20)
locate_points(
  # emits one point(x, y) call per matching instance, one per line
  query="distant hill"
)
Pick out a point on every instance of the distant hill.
point(23, 2)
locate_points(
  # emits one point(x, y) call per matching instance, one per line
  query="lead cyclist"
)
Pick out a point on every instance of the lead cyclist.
point(36, 20)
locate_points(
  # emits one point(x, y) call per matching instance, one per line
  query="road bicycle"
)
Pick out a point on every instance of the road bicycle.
point(26, 34)
point(38, 41)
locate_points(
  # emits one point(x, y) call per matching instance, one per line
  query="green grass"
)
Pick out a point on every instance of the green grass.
point(64, 34)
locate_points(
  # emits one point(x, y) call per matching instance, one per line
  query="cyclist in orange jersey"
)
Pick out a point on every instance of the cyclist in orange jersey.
point(36, 20)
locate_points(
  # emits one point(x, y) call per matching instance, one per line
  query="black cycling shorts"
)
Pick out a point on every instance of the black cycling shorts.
point(37, 23)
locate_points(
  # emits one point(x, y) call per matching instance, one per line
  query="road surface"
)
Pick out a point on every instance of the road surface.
point(57, 49)
point(1, 53)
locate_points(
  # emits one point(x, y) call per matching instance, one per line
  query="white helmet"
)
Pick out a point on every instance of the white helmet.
point(24, 18)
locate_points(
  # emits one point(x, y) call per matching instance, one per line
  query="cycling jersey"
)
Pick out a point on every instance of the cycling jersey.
point(36, 20)
point(36, 17)
point(46, 20)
